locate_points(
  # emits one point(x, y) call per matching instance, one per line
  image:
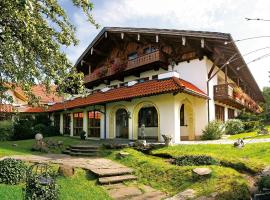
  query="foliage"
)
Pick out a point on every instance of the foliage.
point(12, 171)
point(35, 190)
point(32, 35)
point(195, 160)
point(6, 130)
point(213, 131)
point(247, 116)
point(23, 128)
point(83, 135)
point(266, 106)
point(251, 125)
point(234, 126)
point(264, 182)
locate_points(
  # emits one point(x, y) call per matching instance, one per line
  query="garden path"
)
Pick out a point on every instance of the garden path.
point(99, 166)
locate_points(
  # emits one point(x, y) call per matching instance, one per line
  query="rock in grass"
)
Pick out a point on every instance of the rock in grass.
point(122, 154)
point(66, 170)
point(186, 194)
point(199, 173)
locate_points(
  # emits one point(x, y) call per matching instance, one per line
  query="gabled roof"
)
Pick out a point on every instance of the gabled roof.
point(215, 40)
point(148, 88)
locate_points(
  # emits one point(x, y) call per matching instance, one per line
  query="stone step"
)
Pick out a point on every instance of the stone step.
point(83, 150)
point(155, 195)
point(66, 151)
point(112, 172)
point(116, 179)
point(82, 154)
point(83, 147)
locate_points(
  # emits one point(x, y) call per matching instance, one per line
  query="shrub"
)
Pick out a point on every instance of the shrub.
point(12, 171)
point(6, 130)
point(23, 129)
point(251, 125)
point(264, 182)
point(35, 190)
point(213, 131)
point(83, 135)
point(234, 126)
point(51, 131)
point(195, 160)
point(39, 128)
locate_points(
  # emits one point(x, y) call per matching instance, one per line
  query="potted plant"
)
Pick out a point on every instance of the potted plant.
point(237, 92)
point(83, 135)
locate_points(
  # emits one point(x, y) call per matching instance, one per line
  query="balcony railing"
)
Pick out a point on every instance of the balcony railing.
point(103, 72)
point(226, 93)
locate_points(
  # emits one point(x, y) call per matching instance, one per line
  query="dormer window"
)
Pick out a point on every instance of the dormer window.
point(149, 50)
point(132, 55)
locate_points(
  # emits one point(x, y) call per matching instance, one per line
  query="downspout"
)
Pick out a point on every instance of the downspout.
point(208, 103)
point(105, 118)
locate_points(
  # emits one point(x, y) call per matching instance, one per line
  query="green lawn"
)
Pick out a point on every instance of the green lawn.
point(172, 179)
point(81, 186)
point(249, 135)
point(253, 156)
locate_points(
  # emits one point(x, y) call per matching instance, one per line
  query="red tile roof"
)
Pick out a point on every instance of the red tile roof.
point(6, 108)
point(148, 88)
point(29, 109)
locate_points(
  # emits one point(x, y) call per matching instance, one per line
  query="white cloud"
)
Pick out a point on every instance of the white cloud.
point(209, 15)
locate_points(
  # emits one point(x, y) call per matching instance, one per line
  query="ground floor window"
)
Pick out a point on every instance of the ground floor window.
point(66, 122)
point(57, 121)
point(77, 123)
point(219, 110)
point(94, 124)
point(182, 115)
point(230, 113)
point(148, 116)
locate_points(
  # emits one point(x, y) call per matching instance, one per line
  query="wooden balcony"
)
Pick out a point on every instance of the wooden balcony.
point(136, 65)
point(224, 93)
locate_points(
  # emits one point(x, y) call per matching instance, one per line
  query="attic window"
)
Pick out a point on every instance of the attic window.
point(132, 55)
point(141, 80)
point(149, 50)
point(124, 84)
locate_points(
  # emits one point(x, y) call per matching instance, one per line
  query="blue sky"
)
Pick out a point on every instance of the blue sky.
point(208, 15)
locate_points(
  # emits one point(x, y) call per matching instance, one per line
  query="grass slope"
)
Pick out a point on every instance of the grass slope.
point(250, 135)
point(253, 156)
point(172, 179)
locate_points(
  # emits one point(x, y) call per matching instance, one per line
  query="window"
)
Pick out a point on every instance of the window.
point(219, 110)
point(94, 124)
point(148, 50)
point(148, 116)
point(141, 80)
point(154, 77)
point(182, 115)
point(123, 84)
point(230, 113)
point(132, 56)
point(78, 123)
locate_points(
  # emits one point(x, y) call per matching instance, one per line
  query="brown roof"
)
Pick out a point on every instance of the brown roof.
point(148, 88)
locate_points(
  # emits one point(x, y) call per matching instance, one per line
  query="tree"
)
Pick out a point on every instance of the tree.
point(32, 33)
point(266, 105)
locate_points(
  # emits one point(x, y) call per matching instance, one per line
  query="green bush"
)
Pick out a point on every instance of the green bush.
point(39, 128)
point(251, 125)
point(6, 130)
point(234, 126)
point(35, 190)
point(12, 171)
point(264, 182)
point(23, 129)
point(213, 131)
point(195, 160)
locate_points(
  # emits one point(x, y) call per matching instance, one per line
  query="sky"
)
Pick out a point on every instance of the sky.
point(203, 15)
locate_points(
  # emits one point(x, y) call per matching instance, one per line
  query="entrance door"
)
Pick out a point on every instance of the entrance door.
point(67, 119)
point(94, 124)
point(121, 123)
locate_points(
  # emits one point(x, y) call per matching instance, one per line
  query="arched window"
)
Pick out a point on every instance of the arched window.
point(148, 116)
point(182, 115)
